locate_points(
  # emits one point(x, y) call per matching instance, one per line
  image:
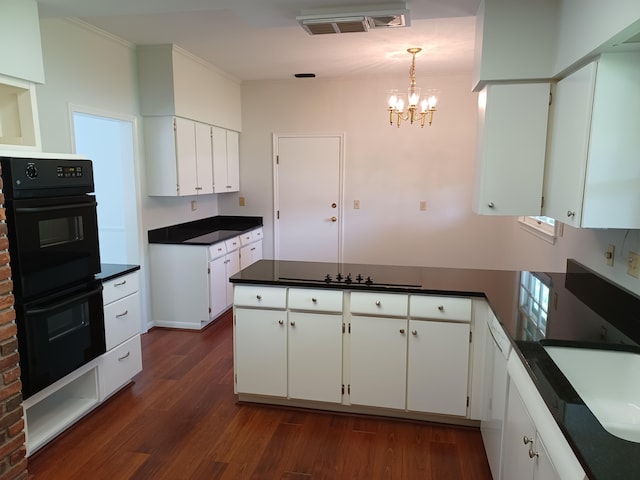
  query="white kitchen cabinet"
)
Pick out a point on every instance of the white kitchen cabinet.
point(534, 447)
point(225, 262)
point(226, 160)
point(378, 359)
point(592, 170)
point(190, 283)
point(315, 356)
point(525, 456)
point(123, 359)
point(260, 340)
point(511, 144)
point(251, 247)
point(179, 157)
point(430, 387)
point(439, 333)
point(299, 349)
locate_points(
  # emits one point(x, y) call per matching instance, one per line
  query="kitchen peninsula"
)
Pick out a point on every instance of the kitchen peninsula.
point(359, 338)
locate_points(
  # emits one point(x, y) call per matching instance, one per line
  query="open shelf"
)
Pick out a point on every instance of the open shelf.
point(18, 118)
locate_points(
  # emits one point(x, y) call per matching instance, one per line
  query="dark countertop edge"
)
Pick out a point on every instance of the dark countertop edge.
point(179, 233)
point(109, 271)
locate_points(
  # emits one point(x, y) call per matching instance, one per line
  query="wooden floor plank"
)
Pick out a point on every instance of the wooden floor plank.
point(181, 420)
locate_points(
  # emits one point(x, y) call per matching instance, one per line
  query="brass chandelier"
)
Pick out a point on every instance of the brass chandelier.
point(414, 108)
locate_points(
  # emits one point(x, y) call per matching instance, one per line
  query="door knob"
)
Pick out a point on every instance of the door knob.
point(334, 219)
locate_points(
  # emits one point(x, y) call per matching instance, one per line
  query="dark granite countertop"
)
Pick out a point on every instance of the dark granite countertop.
point(109, 271)
point(205, 231)
point(582, 307)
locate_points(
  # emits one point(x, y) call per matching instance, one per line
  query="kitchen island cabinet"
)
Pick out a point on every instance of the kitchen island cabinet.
point(592, 172)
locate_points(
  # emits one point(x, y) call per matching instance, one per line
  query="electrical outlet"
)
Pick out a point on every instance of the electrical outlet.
point(241, 201)
point(423, 205)
point(633, 264)
point(356, 204)
point(194, 205)
point(609, 254)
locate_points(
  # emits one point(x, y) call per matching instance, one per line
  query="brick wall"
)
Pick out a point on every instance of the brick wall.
point(13, 461)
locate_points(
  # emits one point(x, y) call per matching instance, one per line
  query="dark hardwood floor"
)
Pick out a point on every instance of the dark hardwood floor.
point(180, 420)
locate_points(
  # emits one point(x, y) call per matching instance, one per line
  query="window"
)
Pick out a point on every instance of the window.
point(533, 306)
point(543, 227)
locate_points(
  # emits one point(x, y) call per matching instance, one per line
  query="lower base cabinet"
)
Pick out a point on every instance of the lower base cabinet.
point(118, 366)
point(525, 456)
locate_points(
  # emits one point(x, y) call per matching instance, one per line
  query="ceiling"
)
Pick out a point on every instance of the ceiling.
point(261, 39)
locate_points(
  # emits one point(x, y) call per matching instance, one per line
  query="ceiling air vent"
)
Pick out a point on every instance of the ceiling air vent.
point(355, 19)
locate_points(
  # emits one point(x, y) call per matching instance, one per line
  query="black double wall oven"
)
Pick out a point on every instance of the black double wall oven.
point(53, 244)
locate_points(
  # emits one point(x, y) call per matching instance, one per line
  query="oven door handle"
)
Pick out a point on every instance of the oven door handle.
point(67, 301)
point(54, 208)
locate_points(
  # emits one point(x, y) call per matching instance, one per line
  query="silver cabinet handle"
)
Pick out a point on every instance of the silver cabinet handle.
point(526, 440)
point(402, 331)
point(120, 315)
point(570, 213)
point(441, 308)
point(533, 454)
point(414, 332)
point(314, 300)
point(120, 284)
point(280, 322)
point(259, 297)
point(293, 323)
point(124, 356)
point(378, 303)
point(490, 205)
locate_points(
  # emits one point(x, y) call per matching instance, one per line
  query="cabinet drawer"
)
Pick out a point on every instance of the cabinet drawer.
point(246, 238)
point(217, 250)
point(257, 296)
point(440, 308)
point(119, 366)
point(232, 244)
point(374, 303)
point(320, 300)
point(121, 320)
point(120, 287)
point(256, 234)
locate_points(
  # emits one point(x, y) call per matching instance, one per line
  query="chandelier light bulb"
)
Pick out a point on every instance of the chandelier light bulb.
point(392, 99)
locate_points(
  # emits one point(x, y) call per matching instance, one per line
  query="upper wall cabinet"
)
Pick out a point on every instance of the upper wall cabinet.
point(179, 157)
point(226, 160)
point(511, 143)
point(593, 172)
point(21, 54)
point(515, 40)
point(174, 82)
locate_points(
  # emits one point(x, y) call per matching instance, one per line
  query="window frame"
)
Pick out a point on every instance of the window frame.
point(541, 229)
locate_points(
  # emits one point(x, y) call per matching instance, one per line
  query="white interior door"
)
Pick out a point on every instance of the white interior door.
point(308, 203)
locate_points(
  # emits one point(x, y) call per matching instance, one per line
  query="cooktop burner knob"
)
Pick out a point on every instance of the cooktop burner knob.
point(348, 279)
point(369, 281)
point(327, 278)
point(359, 278)
point(339, 277)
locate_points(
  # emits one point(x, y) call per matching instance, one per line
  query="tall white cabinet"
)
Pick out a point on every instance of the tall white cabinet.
point(226, 160)
point(592, 172)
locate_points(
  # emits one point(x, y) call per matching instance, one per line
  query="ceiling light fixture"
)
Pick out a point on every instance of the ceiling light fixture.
point(414, 108)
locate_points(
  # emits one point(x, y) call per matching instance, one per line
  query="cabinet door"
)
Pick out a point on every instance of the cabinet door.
point(438, 367)
point(218, 281)
point(204, 158)
point(233, 161)
point(219, 160)
point(186, 156)
point(568, 146)
point(543, 469)
point(518, 425)
point(315, 356)
point(511, 145)
point(378, 361)
point(261, 352)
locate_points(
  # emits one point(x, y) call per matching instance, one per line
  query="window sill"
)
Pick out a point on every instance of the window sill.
point(549, 235)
